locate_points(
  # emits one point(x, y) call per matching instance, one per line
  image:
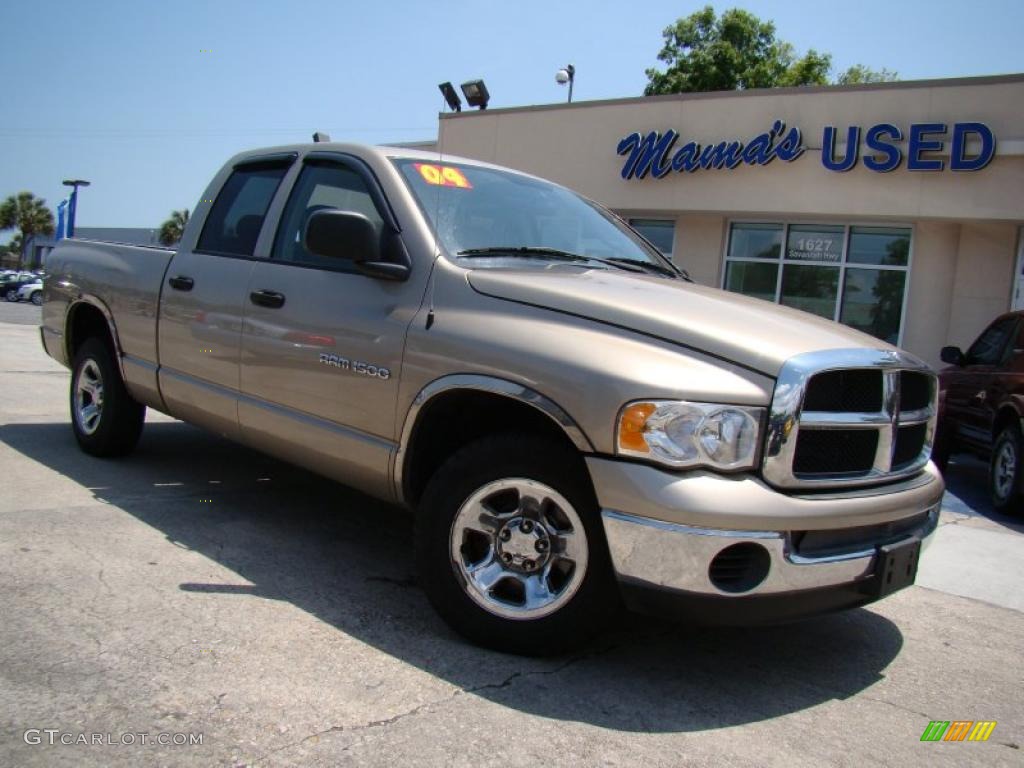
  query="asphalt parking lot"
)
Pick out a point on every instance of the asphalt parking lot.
point(199, 588)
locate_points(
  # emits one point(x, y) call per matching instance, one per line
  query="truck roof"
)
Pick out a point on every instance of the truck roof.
point(384, 152)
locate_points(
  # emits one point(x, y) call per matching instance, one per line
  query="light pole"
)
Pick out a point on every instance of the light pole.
point(75, 184)
point(566, 75)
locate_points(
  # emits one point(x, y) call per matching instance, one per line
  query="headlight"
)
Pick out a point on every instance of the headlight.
point(682, 434)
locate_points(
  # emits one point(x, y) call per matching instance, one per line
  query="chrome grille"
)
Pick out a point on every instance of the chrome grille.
point(849, 417)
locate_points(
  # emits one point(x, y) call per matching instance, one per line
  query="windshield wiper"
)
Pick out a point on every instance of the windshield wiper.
point(649, 266)
point(538, 252)
point(527, 251)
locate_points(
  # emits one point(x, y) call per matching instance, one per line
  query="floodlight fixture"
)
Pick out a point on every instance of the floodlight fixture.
point(476, 93)
point(454, 102)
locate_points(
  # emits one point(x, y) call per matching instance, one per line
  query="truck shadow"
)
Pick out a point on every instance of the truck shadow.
point(346, 559)
point(967, 491)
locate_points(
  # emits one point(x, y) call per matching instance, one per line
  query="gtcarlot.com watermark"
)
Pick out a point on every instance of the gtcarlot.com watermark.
point(55, 736)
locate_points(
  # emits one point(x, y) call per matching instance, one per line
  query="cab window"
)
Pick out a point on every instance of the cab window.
point(235, 221)
point(990, 346)
point(322, 187)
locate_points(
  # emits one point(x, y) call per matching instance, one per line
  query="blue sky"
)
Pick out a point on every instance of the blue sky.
point(148, 99)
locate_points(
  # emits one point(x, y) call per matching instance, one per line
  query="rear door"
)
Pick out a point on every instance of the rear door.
point(322, 344)
point(203, 299)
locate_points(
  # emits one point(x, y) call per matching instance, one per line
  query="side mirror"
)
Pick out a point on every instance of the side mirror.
point(350, 235)
point(341, 235)
point(953, 356)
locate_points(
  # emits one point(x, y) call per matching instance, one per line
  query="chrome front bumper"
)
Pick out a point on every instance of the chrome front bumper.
point(665, 529)
point(678, 557)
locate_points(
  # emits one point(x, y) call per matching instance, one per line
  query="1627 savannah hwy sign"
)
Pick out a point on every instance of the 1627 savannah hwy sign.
point(657, 155)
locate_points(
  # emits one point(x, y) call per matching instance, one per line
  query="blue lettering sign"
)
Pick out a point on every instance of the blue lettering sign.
point(650, 153)
point(653, 153)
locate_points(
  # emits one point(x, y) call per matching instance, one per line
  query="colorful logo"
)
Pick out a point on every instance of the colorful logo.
point(958, 730)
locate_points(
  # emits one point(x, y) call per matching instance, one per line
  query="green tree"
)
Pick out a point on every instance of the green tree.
point(172, 229)
point(29, 215)
point(858, 73)
point(734, 51)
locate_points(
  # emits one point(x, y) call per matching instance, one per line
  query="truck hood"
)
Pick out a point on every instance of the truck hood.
point(753, 333)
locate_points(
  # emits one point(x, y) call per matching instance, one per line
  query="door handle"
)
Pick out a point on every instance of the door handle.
point(271, 299)
point(182, 283)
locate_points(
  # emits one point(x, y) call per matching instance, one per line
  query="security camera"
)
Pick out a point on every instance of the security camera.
point(562, 76)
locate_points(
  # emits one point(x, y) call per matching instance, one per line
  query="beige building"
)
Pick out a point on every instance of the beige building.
point(908, 224)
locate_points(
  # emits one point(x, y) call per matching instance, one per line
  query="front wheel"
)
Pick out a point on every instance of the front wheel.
point(105, 418)
point(510, 548)
point(1004, 471)
point(37, 298)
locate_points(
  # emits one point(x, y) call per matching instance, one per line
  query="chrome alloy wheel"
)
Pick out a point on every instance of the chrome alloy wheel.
point(1005, 469)
point(519, 548)
point(89, 397)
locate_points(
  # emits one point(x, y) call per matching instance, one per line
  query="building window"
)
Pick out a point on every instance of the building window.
point(856, 275)
point(659, 231)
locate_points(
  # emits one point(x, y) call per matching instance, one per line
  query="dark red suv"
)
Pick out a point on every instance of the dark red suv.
point(981, 404)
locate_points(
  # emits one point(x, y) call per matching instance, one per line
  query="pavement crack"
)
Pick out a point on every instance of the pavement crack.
point(900, 707)
point(389, 721)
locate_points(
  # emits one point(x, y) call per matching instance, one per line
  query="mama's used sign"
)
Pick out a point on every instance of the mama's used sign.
point(657, 155)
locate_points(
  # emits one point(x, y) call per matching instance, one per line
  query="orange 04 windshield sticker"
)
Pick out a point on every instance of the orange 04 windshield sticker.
point(443, 176)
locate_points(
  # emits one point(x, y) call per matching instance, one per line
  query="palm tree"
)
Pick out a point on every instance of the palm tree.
point(28, 214)
point(172, 229)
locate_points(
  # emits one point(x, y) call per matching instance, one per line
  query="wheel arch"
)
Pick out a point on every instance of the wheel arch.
point(1008, 413)
point(87, 317)
point(495, 402)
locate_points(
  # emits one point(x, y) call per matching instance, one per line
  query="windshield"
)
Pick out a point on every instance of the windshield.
point(474, 210)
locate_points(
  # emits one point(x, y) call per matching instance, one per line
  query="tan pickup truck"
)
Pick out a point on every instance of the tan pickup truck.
point(574, 423)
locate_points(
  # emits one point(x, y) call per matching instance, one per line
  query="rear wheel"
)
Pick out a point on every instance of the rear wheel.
point(12, 295)
point(105, 418)
point(1005, 471)
point(510, 548)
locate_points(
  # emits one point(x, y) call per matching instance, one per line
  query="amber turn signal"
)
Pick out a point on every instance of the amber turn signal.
point(631, 426)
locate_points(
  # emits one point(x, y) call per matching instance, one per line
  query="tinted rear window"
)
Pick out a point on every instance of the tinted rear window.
point(236, 218)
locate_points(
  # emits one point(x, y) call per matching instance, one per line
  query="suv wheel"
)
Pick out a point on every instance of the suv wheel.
point(105, 419)
point(1005, 470)
point(510, 548)
point(37, 298)
point(12, 295)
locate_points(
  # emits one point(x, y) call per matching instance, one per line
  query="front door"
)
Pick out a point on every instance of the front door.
point(971, 394)
point(322, 344)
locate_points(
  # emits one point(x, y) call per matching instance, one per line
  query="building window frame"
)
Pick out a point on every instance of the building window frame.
point(843, 264)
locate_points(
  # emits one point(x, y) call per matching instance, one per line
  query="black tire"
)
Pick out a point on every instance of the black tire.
point(114, 428)
point(511, 458)
point(1004, 477)
point(12, 295)
point(36, 298)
